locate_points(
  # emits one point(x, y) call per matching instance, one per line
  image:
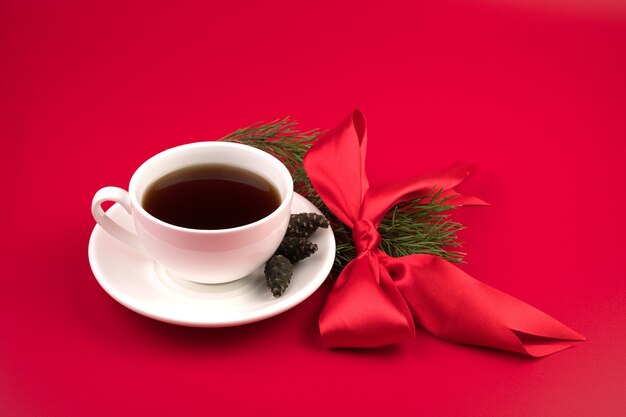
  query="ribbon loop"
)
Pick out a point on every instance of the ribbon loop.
point(365, 236)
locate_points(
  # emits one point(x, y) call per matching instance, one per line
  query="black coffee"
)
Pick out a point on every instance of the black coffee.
point(210, 197)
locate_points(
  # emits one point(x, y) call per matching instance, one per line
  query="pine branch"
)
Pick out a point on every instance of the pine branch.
point(419, 226)
point(422, 226)
point(281, 139)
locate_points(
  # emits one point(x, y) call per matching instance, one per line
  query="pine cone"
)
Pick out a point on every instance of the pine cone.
point(278, 271)
point(304, 224)
point(296, 248)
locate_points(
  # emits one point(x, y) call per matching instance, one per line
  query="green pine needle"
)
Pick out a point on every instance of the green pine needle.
point(418, 226)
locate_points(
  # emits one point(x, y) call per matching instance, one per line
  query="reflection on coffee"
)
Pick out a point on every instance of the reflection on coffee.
point(210, 197)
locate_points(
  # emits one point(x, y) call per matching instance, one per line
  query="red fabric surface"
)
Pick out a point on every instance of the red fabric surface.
point(532, 90)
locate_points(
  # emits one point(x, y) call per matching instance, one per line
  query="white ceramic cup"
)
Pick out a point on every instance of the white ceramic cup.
point(204, 256)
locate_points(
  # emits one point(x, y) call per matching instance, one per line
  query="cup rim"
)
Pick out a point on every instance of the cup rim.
point(164, 154)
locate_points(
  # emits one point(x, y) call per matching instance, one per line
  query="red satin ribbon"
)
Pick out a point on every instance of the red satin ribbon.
point(377, 299)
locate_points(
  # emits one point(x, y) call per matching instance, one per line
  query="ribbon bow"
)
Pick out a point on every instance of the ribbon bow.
point(377, 299)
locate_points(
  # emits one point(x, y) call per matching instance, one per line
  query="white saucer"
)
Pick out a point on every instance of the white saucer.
point(139, 283)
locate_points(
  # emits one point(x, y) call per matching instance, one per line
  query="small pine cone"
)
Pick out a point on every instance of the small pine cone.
point(304, 224)
point(296, 248)
point(278, 271)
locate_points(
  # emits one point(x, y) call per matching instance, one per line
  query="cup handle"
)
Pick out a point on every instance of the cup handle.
point(121, 197)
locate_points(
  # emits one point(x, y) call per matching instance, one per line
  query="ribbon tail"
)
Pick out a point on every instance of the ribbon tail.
point(456, 307)
point(457, 199)
point(379, 199)
point(365, 309)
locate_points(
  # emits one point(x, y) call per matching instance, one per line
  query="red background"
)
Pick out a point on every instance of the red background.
point(534, 90)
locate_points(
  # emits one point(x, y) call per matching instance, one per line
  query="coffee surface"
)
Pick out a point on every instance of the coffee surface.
point(210, 197)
